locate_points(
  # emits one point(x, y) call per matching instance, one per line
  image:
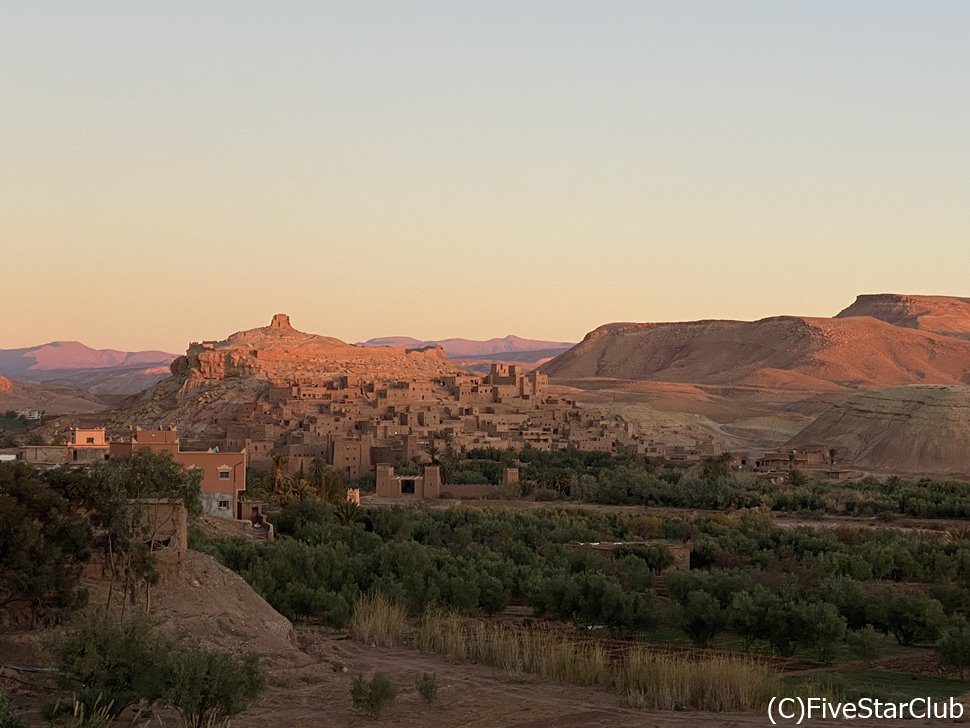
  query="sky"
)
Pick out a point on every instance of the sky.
point(172, 172)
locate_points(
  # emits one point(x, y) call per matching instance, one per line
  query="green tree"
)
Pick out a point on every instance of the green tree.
point(746, 617)
point(701, 617)
point(954, 645)
point(44, 542)
point(124, 520)
point(824, 629)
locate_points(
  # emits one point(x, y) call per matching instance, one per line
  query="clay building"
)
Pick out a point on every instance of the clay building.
point(223, 473)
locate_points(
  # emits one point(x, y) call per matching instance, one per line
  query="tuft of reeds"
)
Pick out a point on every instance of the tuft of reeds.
point(645, 679)
point(379, 621)
point(712, 683)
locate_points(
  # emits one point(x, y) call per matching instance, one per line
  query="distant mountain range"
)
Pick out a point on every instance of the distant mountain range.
point(100, 371)
point(469, 348)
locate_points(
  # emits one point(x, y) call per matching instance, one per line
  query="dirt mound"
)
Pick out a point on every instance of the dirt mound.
point(209, 603)
point(946, 315)
point(912, 429)
point(810, 354)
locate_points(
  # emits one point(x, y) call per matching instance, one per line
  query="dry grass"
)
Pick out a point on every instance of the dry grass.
point(514, 652)
point(379, 621)
point(644, 679)
point(676, 682)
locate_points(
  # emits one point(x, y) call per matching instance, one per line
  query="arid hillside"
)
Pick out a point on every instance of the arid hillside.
point(946, 315)
point(810, 354)
point(914, 429)
point(49, 398)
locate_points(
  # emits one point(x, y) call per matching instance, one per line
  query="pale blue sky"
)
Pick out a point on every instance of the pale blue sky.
point(473, 169)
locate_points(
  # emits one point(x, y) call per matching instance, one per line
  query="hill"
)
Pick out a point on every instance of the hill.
point(64, 356)
point(811, 354)
point(48, 398)
point(213, 379)
point(947, 315)
point(99, 371)
point(913, 429)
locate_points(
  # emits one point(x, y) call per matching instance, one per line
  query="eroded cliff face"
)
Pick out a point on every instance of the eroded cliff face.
point(946, 315)
point(213, 379)
point(915, 429)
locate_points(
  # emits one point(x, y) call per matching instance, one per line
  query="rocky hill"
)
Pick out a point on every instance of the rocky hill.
point(811, 354)
point(213, 378)
point(913, 429)
point(947, 315)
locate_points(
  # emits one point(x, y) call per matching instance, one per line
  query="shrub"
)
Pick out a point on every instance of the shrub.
point(114, 664)
point(863, 644)
point(372, 695)
point(208, 688)
point(8, 718)
point(427, 686)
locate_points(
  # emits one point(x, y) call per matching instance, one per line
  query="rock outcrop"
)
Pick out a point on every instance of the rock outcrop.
point(914, 429)
point(213, 379)
point(947, 315)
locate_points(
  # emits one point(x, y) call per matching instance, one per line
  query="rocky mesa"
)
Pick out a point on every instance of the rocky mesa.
point(811, 354)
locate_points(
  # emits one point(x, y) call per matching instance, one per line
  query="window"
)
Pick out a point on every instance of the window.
point(223, 505)
point(223, 475)
point(90, 441)
point(407, 487)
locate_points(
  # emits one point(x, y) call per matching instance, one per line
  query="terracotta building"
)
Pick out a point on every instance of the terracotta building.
point(223, 473)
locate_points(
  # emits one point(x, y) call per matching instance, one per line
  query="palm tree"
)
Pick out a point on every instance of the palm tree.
point(347, 513)
point(433, 452)
point(279, 466)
